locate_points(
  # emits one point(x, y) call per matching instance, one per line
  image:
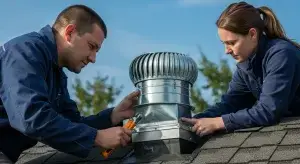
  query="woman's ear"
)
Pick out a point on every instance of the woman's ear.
point(253, 34)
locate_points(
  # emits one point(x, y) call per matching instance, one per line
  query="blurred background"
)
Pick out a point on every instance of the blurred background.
point(135, 27)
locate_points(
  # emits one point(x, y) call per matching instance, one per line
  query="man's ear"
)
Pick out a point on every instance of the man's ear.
point(253, 33)
point(69, 31)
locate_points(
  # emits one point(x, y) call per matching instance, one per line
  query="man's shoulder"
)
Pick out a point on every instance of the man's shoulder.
point(24, 40)
point(29, 45)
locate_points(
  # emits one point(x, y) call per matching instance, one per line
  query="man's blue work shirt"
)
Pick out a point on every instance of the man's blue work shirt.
point(35, 104)
point(263, 88)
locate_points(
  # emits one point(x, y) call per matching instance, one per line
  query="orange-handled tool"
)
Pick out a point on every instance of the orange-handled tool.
point(129, 125)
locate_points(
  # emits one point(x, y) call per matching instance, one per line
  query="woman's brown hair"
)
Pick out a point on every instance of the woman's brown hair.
point(240, 17)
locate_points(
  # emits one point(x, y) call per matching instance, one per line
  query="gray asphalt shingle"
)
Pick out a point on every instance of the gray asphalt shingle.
point(264, 138)
point(209, 155)
point(245, 155)
point(260, 145)
point(291, 138)
point(227, 140)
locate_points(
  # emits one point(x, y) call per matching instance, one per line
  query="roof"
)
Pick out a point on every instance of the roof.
point(260, 145)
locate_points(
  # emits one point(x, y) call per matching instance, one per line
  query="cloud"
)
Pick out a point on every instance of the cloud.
point(131, 45)
point(187, 3)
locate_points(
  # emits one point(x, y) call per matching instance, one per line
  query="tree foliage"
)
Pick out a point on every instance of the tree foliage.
point(217, 76)
point(96, 95)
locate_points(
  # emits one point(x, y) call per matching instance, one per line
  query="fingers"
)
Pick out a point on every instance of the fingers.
point(129, 114)
point(130, 99)
point(189, 120)
point(127, 131)
point(195, 128)
point(125, 138)
point(198, 130)
point(126, 103)
point(133, 95)
point(135, 101)
point(123, 142)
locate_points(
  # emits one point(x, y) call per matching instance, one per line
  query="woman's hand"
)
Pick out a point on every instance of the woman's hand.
point(205, 126)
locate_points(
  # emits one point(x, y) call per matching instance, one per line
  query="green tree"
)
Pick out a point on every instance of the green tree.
point(197, 100)
point(96, 95)
point(217, 75)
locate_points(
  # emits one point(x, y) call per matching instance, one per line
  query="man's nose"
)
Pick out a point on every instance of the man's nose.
point(92, 58)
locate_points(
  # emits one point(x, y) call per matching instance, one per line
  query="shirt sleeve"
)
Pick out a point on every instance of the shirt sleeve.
point(278, 89)
point(238, 96)
point(101, 120)
point(24, 94)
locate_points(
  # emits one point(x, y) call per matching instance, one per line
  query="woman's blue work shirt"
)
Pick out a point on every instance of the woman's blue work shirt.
point(35, 104)
point(263, 89)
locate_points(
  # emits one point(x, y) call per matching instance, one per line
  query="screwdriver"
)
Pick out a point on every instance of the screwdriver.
point(129, 125)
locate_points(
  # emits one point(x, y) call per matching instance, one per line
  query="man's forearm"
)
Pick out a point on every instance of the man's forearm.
point(102, 120)
point(45, 125)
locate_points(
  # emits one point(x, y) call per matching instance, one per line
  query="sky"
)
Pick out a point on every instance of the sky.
point(136, 26)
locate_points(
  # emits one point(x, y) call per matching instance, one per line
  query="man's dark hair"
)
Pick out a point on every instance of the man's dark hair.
point(82, 16)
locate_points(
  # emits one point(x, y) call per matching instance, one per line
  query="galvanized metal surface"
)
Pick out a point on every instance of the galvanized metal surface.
point(168, 132)
point(165, 80)
point(166, 65)
point(164, 91)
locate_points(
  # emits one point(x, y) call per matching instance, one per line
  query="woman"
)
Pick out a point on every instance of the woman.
point(264, 86)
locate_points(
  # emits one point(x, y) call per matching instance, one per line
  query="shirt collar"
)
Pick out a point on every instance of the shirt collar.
point(49, 38)
point(257, 55)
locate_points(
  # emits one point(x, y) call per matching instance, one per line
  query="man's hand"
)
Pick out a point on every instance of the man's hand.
point(113, 137)
point(205, 126)
point(125, 108)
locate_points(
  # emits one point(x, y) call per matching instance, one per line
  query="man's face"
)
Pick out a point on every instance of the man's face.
point(238, 46)
point(82, 49)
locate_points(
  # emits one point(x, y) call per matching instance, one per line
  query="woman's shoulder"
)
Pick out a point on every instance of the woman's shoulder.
point(281, 54)
point(280, 48)
point(281, 45)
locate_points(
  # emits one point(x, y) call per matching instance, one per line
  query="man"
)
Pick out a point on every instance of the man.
point(35, 103)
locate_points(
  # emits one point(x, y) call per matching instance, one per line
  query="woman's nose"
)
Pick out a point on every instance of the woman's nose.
point(228, 50)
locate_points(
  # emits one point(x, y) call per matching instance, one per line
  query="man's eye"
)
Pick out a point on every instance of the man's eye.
point(231, 43)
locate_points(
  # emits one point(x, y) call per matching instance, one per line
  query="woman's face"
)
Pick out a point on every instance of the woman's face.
point(238, 46)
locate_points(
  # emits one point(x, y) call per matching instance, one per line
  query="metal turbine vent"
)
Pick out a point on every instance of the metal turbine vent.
point(165, 80)
point(163, 65)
